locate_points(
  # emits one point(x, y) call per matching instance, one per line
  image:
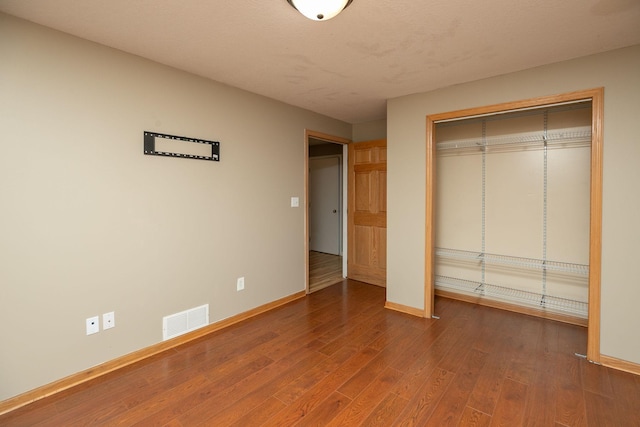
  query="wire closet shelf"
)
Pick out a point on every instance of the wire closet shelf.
point(525, 298)
point(508, 294)
point(532, 263)
point(485, 141)
point(575, 138)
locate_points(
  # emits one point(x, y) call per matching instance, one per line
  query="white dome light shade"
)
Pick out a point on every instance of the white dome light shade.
point(319, 10)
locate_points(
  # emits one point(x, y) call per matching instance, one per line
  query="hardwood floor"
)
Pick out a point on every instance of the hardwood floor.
point(324, 270)
point(337, 357)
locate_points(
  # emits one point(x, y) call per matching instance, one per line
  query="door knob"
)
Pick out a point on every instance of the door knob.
point(335, 211)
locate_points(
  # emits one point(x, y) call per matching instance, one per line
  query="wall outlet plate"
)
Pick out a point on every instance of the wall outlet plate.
point(93, 325)
point(240, 284)
point(108, 320)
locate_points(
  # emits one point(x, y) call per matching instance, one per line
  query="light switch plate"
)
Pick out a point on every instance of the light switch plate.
point(295, 202)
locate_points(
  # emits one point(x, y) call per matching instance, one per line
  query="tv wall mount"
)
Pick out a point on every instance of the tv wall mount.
point(160, 144)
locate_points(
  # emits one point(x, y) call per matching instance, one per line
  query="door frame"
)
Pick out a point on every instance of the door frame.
point(595, 227)
point(334, 140)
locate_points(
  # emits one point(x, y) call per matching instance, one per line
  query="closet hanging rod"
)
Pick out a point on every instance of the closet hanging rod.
point(518, 112)
point(580, 137)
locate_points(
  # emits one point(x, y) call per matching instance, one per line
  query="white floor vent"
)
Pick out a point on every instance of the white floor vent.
point(185, 321)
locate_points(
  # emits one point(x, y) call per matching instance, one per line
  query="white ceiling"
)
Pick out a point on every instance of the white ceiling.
point(349, 66)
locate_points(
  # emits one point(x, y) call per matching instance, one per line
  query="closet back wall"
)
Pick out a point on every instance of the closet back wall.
point(506, 204)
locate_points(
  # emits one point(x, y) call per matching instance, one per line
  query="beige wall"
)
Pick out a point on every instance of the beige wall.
point(90, 225)
point(369, 131)
point(619, 73)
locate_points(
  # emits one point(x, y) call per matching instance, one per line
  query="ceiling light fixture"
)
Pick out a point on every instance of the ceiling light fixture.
point(319, 10)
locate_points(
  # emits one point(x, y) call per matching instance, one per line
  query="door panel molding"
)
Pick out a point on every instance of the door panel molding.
point(367, 212)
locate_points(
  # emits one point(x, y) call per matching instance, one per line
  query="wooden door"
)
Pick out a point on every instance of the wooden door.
point(367, 212)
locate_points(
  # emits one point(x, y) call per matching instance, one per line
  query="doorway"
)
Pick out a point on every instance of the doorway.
point(325, 213)
point(325, 203)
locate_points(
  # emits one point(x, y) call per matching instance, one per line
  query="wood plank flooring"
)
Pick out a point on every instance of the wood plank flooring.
point(338, 358)
point(324, 270)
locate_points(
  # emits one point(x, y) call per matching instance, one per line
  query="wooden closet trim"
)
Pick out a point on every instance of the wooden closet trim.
point(596, 96)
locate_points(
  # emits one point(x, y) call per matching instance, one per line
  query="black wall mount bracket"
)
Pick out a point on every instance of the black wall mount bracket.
point(160, 144)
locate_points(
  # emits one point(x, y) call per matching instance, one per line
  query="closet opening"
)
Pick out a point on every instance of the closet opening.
point(514, 202)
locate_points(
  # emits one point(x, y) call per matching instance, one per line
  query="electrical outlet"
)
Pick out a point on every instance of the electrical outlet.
point(108, 320)
point(240, 284)
point(93, 325)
